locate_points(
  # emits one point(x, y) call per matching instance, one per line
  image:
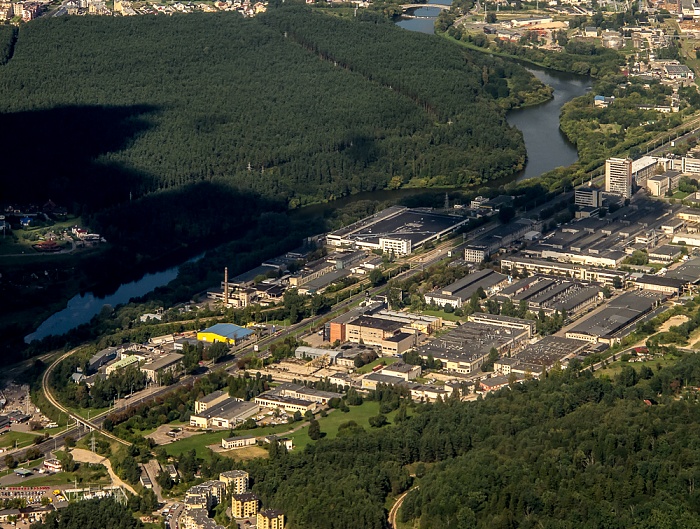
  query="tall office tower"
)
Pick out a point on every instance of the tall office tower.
point(618, 176)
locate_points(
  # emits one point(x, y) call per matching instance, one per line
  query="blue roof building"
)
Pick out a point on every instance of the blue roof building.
point(224, 332)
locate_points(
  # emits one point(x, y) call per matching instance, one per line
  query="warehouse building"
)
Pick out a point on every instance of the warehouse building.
point(666, 285)
point(618, 319)
point(227, 333)
point(225, 414)
point(459, 292)
point(398, 230)
point(465, 348)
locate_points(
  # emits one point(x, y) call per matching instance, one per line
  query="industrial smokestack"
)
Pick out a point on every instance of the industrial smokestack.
point(226, 286)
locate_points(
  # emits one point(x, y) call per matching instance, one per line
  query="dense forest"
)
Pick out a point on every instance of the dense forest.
point(568, 451)
point(168, 135)
point(194, 122)
point(8, 37)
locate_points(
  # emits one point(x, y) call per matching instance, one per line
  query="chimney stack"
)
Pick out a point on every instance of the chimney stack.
point(226, 286)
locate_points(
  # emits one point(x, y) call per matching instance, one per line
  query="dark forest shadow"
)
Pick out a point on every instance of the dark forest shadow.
point(50, 154)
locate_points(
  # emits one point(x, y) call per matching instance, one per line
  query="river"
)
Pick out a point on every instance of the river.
point(83, 307)
point(547, 149)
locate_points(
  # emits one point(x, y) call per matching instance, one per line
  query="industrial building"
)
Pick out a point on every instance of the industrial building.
point(101, 358)
point(465, 348)
point(665, 253)
point(397, 230)
point(459, 292)
point(402, 370)
point(552, 295)
point(313, 353)
point(550, 350)
point(288, 404)
point(210, 400)
point(335, 330)
point(227, 333)
point(509, 322)
point(479, 249)
point(575, 271)
point(588, 196)
point(225, 414)
point(123, 363)
point(300, 392)
point(689, 271)
point(666, 285)
point(618, 319)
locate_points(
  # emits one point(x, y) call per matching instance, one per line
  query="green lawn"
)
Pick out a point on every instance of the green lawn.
point(680, 195)
point(329, 425)
point(52, 431)
point(201, 441)
point(23, 439)
point(615, 367)
point(385, 360)
point(84, 474)
point(443, 315)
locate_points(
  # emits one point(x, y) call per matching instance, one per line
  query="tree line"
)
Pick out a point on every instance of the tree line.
point(568, 450)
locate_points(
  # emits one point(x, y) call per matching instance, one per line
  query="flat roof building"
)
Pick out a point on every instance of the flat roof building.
point(618, 176)
point(224, 332)
point(397, 230)
point(212, 399)
point(459, 292)
point(617, 319)
point(236, 481)
point(588, 196)
point(225, 414)
point(665, 285)
point(464, 348)
point(169, 363)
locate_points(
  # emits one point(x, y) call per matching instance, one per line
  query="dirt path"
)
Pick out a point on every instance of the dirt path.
point(85, 456)
point(397, 505)
point(673, 320)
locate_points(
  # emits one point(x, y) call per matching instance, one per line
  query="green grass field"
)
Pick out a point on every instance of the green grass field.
point(615, 367)
point(680, 195)
point(201, 441)
point(23, 439)
point(443, 315)
point(329, 425)
point(385, 360)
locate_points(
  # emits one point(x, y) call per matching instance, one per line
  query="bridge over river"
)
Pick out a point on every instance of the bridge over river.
point(406, 7)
